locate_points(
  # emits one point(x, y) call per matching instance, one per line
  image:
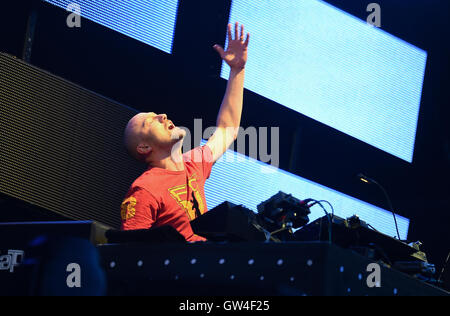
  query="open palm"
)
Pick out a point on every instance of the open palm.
point(236, 53)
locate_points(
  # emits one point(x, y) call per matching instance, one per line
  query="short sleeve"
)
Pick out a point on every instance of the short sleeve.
point(138, 210)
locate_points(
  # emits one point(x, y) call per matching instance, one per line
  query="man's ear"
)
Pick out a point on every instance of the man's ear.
point(143, 149)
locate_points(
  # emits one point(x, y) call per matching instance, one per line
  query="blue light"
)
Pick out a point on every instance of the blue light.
point(245, 181)
point(334, 68)
point(151, 22)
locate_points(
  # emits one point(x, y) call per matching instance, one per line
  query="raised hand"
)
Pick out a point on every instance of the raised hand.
point(236, 54)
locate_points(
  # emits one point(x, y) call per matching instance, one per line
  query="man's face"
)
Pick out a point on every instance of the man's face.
point(149, 133)
point(159, 131)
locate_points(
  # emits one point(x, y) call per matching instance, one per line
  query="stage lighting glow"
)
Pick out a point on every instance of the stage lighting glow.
point(245, 181)
point(334, 68)
point(151, 22)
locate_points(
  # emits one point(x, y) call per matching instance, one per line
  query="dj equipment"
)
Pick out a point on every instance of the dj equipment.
point(285, 210)
point(273, 222)
point(356, 234)
point(229, 222)
point(280, 213)
point(157, 262)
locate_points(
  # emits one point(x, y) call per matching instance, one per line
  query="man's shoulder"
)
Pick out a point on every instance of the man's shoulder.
point(147, 181)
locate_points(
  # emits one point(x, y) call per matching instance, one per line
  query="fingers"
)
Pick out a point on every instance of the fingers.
point(219, 49)
point(230, 38)
point(236, 33)
point(247, 40)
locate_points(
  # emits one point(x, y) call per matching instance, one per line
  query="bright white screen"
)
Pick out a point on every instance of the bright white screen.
point(330, 66)
point(151, 22)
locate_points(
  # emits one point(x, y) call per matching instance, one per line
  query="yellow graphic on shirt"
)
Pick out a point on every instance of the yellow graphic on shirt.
point(191, 202)
point(127, 209)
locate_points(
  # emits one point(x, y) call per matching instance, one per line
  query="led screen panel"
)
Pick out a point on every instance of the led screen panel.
point(334, 68)
point(151, 22)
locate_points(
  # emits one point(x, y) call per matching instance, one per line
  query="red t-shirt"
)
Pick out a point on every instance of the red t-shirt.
point(161, 197)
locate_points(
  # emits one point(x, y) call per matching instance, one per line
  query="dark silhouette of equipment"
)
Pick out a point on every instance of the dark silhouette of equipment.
point(229, 222)
point(281, 213)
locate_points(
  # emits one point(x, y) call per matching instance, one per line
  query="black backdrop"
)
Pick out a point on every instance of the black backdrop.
point(186, 85)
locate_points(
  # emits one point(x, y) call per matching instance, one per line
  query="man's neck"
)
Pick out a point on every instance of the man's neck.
point(172, 161)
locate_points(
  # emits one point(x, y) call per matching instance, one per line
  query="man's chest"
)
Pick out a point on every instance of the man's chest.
point(183, 193)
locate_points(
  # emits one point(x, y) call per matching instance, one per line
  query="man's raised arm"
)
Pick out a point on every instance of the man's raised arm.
point(229, 117)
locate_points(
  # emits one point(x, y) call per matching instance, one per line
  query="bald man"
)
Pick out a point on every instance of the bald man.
point(171, 190)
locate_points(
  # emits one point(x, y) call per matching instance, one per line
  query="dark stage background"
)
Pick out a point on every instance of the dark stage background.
point(186, 85)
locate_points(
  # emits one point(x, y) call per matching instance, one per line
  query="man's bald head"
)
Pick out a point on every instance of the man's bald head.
point(133, 136)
